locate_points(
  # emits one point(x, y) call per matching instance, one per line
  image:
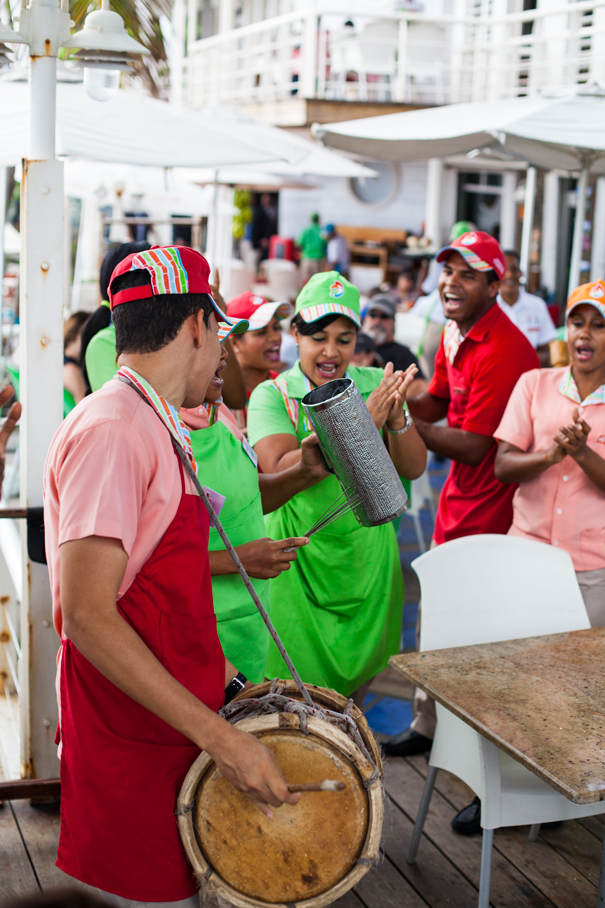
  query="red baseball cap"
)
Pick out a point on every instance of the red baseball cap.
point(173, 269)
point(257, 310)
point(480, 250)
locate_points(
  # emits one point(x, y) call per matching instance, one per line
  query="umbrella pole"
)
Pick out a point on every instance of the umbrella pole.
point(211, 243)
point(578, 230)
point(528, 220)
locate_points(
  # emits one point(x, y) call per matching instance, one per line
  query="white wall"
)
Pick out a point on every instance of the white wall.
point(335, 203)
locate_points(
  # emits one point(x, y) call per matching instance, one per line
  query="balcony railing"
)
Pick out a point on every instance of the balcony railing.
point(405, 57)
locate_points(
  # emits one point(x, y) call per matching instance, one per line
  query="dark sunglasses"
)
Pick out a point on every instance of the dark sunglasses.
point(376, 313)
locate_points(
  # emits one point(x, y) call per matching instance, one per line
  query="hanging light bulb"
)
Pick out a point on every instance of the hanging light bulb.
point(101, 84)
point(106, 50)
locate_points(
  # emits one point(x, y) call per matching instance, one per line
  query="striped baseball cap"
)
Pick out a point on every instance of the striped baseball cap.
point(480, 250)
point(328, 293)
point(593, 294)
point(173, 270)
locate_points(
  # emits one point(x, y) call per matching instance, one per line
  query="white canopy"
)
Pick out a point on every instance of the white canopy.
point(133, 129)
point(550, 131)
point(306, 158)
point(565, 131)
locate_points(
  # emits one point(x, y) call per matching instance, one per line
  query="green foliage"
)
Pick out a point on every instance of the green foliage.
point(242, 200)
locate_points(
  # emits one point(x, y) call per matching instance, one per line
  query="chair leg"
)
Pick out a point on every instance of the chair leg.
point(601, 892)
point(425, 800)
point(486, 867)
point(419, 533)
point(534, 832)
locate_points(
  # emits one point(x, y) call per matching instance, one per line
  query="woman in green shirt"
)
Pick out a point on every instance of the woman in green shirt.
point(338, 609)
point(227, 465)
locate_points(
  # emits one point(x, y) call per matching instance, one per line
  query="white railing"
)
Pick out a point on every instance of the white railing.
point(405, 57)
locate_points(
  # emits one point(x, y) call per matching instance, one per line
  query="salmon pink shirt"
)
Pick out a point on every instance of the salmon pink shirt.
point(111, 471)
point(562, 506)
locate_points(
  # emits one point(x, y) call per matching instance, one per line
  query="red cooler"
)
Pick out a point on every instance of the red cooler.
point(281, 247)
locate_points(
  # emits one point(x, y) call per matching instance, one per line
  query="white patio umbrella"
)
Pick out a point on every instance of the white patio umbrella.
point(306, 158)
point(563, 131)
point(133, 129)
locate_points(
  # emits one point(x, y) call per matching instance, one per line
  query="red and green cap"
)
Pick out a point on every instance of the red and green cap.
point(256, 309)
point(328, 293)
point(173, 270)
point(593, 294)
point(480, 250)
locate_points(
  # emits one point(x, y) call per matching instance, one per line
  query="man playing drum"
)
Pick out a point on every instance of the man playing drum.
point(141, 670)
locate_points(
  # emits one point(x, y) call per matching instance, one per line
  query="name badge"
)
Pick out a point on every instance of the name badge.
point(250, 451)
point(216, 500)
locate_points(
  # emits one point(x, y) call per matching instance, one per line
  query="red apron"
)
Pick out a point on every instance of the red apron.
point(122, 766)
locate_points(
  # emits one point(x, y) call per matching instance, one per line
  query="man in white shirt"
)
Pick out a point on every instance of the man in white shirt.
point(339, 257)
point(528, 312)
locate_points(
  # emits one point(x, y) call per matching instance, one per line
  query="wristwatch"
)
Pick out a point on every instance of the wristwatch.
point(408, 423)
point(236, 685)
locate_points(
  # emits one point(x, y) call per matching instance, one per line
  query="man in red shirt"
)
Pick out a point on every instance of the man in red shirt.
point(481, 356)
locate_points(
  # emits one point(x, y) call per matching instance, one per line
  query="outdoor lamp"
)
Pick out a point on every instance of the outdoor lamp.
point(105, 50)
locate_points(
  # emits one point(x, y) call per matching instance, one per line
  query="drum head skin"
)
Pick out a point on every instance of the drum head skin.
point(305, 849)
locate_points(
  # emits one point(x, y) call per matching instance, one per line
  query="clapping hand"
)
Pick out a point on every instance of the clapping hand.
point(381, 400)
point(396, 417)
point(572, 438)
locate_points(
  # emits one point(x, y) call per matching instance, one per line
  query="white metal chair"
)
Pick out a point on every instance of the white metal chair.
point(421, 496)
point(483, 589)
point(242, 278)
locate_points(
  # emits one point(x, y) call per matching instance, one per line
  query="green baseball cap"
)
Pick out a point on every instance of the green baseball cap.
point(328, 293)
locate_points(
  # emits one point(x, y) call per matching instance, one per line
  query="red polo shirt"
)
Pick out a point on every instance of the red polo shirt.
point(477, 385)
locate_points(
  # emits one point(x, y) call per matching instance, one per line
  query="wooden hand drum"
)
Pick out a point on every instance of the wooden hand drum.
point(308, 854)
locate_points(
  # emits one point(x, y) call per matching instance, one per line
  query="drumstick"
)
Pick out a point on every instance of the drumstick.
point(326, 785)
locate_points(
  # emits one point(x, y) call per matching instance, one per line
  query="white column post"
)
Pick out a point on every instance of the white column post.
point(550, 224)
point(3, 179)
point(578, 232)
point(528, 218)
point(399, 91)
point(46, 26)
point(226, 18)
point(508, 209)
point(309, 48)
point(432, 217)
point(597, 261)
point(178, 50)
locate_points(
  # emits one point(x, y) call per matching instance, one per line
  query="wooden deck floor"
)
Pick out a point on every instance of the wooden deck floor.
point(560, 869)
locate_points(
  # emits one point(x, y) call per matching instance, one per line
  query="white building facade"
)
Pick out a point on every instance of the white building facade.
point(293, 62)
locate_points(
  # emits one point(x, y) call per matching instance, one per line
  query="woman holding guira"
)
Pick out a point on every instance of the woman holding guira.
point(338, 609)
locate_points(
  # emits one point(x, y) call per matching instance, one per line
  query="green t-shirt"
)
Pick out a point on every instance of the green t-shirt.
point(338, 608)
point(311, 242)
point(101, 357)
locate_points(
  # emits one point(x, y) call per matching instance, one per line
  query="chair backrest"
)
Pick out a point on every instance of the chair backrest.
point(242, 278)
point(283, 286)
point(421, 493)
point(271, 266)
point(482, 589)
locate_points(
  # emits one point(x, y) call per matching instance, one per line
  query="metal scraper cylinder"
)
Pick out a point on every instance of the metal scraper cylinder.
point(355, 451)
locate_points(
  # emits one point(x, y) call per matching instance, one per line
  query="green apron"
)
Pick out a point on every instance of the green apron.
point(224, 466)
point(338, 610)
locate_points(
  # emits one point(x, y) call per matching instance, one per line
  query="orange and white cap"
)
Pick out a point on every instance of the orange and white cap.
point(592, 294)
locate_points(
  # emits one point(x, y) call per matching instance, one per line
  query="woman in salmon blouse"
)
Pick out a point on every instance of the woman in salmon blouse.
point(552, 442)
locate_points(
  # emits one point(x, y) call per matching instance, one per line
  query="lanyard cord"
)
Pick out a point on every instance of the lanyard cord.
point(234, 556)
